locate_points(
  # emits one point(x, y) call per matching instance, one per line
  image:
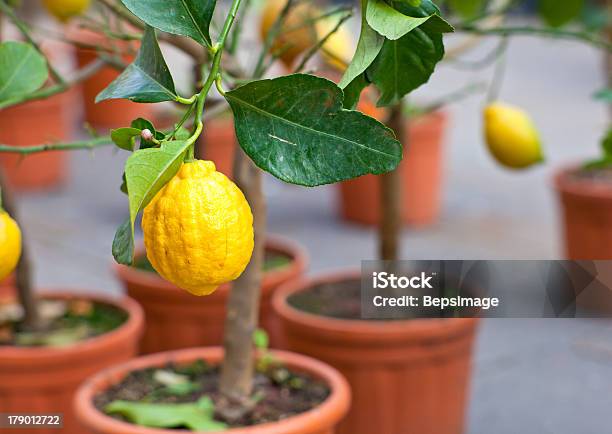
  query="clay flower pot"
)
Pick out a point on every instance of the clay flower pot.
point(421, 170)
point(407, 376)
point(320, 420)
point(35, 123)
point(7, 289)
point(107, 114)
point(219, 144)
point(176, 319)
point(43, 380)
point(586, 207)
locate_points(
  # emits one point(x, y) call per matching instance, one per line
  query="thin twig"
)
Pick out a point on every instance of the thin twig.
point(80, 76)
point(71, 146)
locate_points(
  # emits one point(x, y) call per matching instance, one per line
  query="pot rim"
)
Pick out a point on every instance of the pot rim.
point(361, 328)
point(297, 253)
point(586, 188)
point(330, 412)
point(133, 325)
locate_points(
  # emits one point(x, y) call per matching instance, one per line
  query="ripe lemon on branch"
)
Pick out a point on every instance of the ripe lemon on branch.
point(10, 244)
point(511, 136)
point(63, 10)
point(198, 229)
point(296, 34)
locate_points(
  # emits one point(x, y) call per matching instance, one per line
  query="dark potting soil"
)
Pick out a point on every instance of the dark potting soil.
point(342, 300)
point(278, 393)
point(65, 322)
point(272, 261)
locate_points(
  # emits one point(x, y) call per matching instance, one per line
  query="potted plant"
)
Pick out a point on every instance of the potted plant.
point(54, 118)
point(424, 364)
point(584, 195)
point(49, 342)
point(201, 231)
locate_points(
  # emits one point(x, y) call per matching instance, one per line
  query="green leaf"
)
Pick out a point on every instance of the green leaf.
point(123, 244)
point(148, 171)
point(393, 24)
point(197, 416)
point(556, 13)
point(146, 80)
point(467, 8)
point(606, 144)
point(352, 92)
point(125, 138)
point(604, 95)
point(369, 45)
point(23, 69)
point(180, 17)
point(261, 339)
point(407, 63)
point(295, 128)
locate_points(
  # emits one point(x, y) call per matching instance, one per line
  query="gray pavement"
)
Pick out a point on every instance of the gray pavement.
point(531, 376)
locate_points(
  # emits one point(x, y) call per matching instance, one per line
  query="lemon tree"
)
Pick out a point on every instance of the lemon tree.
point(200, 228)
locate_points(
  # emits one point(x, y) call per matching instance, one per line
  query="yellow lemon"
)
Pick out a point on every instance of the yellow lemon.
point(338, 49)
point(297, 34)
point(198, 229)
point(63, 10)
point(10, 244)
point(511, 136)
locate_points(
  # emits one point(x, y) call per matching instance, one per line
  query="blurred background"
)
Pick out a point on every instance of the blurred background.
point(531, 376)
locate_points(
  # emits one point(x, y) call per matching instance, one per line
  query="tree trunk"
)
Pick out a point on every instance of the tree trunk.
point(243, 306)
point(23, 274)
point(390, 225)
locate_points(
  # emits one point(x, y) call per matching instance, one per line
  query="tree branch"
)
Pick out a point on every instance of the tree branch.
point(582, 36)
point(72, 146)
point(80, 76)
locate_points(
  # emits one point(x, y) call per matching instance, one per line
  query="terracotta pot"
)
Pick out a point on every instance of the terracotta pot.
point(421, 170)
point(35, 123)
point(406, 376)
point(43, 380)
point(107, 114)
point(320, 420)
point(176, 319)
point(219, 144)
point(7, 289)
point(587, 216)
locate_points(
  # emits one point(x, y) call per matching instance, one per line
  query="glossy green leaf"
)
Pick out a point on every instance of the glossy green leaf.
point(295, 128)
point(369, 45)
point(147, 80)
point(392, 24)
point(123, 244)
point(352, 92)
point(198, 416)
point(148, 170)
point(467, 8)
point(405, 64)
point(23, 69)
point(180, 17)
point(125, 138)
point(556, 13)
